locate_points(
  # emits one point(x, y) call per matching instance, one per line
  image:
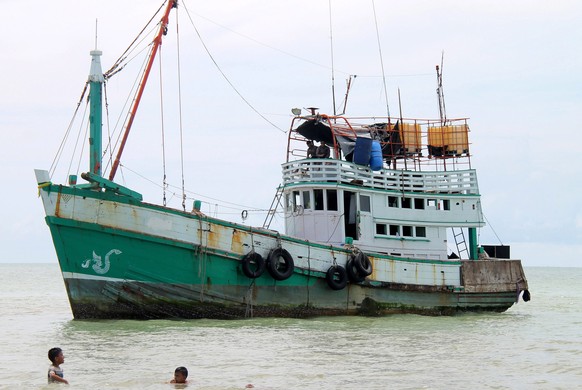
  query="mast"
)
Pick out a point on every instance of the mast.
point(440, 93)
point(96, 81)
point(163, 29)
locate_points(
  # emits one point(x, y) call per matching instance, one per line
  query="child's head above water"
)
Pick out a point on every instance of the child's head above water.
point(55, 355)
point(180, 375)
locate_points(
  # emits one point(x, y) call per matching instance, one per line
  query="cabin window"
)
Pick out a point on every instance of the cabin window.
point(394, 230)
point(407, 231)
point(392, 201)
point(295, 200)
point(420, 231)
point(381, 229)
point(419, 203)
point(318, 195)
point(306, 200)
point(331, 200)
point(446, 204)
point(431, 203)
point(406, 203)
point(365, 203)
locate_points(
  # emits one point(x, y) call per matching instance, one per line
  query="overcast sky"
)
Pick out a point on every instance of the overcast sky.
point(513, 67)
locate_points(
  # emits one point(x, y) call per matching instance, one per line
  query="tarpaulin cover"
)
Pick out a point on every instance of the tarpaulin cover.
point(317, 131)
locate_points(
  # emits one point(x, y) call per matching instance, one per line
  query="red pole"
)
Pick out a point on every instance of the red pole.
point(156, 44)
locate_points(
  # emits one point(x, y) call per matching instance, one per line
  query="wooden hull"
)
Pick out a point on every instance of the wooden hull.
point(121, 258)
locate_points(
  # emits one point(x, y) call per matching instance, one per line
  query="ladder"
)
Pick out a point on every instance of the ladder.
point(460, 242)
point(273, 209)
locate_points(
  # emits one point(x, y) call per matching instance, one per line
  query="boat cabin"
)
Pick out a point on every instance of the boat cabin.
point(396, 187)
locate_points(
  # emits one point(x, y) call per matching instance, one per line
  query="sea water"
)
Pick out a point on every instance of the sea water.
point(534, 345)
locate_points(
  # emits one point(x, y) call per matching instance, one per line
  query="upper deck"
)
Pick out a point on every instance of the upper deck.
point(401, 144)
point(306, 171)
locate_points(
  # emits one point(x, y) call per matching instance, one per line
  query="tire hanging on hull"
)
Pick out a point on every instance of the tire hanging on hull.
point(253, 265)
point(280, 264)
point(362, 263)
point(353, 274)
point(336, 277)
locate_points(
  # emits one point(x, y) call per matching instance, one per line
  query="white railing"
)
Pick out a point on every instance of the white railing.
point(330, 170)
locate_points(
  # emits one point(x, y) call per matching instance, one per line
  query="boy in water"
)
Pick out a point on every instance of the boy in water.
point(55, 373)
point(180, 375)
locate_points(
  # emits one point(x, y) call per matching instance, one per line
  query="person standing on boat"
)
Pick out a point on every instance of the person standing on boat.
point(322, 150)
point(311, 149)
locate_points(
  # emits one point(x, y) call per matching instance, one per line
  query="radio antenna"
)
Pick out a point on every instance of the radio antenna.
point(440, 92)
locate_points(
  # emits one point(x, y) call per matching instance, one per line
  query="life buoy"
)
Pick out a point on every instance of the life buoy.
point(253, 265)
point(362, 263)
point(353, 274)
point(337, 277)
point(280, 264)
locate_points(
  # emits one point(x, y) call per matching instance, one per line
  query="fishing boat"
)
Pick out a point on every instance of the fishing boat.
point(369, 216)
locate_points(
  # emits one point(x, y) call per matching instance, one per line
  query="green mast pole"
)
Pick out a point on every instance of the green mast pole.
point(473, 244)
point(96, 81)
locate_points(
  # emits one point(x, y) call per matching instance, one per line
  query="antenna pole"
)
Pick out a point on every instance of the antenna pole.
point(96, 25)
point(440, 92)
point(349, 85)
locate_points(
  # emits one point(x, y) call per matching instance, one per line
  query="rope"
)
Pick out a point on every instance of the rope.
point(164, 183)
point(125, 104)
point(381, 58)
point(180, 114)
point(64, 140)
point(202, 258)
point(308, 269)
point(491, 226)
point(331, 53)
point(226, 78)
point(249, 307)
point(113, 70)
point(87, 127)
point(103, 157)
point(77, 142)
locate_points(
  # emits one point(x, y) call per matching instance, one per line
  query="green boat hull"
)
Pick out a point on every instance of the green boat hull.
point(157, 279)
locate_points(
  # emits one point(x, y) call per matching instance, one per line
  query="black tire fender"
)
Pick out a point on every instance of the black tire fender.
point(336, 277)
point(280, 264)
point(253, 265)
point(353, 274)
point(362, 263)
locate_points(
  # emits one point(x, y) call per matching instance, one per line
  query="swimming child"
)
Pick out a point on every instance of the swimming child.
point(55, 372)
point(180, 375)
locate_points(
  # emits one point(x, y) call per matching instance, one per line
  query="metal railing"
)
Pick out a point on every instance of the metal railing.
point(339, 171)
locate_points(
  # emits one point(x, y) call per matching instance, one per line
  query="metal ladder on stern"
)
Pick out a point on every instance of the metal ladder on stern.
point(460, 242)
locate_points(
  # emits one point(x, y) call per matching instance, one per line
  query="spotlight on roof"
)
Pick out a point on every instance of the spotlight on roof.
point(296, 111)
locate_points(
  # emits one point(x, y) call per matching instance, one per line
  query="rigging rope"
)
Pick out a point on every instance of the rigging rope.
point(225, 77)
point(164, 183)
point(55, 162)
point(108, 127)
point(77, 141)
point(180, 113)
point(493, 230)
point(130, 98)
point(381, 58)
point(113, 70)
point(331, 53)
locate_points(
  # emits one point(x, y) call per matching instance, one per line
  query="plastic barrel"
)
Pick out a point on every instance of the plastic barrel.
point(376, 156)
point(362, 151)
